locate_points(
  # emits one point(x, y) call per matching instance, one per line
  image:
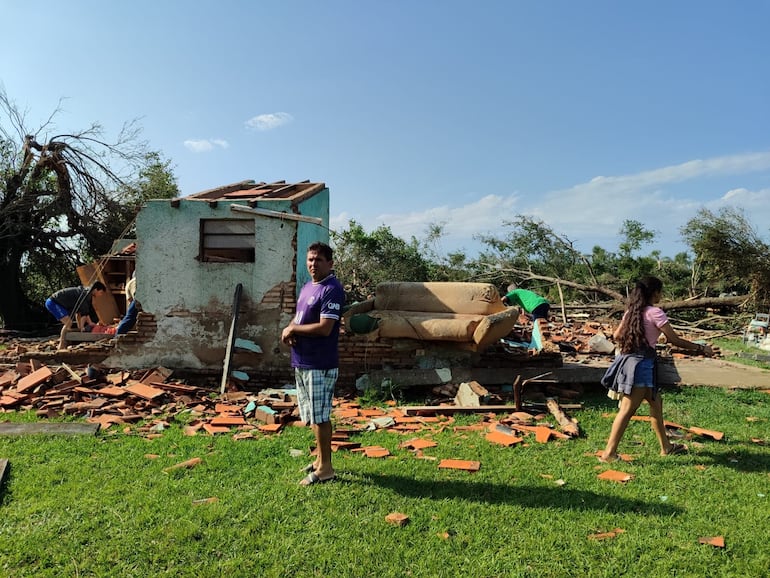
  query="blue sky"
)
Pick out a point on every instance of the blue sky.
point(582, 114)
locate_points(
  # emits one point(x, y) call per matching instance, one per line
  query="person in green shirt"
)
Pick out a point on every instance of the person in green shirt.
point(531, 303)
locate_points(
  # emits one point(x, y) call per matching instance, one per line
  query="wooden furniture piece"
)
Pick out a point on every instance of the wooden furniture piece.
point(114, 271)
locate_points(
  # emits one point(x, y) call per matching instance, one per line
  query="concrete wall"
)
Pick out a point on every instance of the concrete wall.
point(308, 233)
point(191, 301)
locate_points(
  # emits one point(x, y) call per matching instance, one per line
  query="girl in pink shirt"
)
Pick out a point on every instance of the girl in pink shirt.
point(633, 373)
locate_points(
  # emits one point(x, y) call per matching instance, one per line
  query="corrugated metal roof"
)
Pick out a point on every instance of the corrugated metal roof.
point(253, 191)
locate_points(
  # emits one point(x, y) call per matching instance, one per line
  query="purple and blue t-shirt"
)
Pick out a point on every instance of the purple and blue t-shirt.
point(322, 300)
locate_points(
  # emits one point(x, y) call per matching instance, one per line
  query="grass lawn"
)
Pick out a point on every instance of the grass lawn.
point(733, 349)
point(103, 506)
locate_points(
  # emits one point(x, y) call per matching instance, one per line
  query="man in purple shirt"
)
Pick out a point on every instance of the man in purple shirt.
point(313, 335)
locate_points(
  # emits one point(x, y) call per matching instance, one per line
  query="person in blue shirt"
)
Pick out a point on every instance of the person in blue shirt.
point(74, 302)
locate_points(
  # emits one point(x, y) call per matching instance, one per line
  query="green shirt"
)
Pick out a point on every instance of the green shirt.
point(527, 300)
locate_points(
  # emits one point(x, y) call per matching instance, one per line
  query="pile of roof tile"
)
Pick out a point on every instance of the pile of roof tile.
point(149, 396)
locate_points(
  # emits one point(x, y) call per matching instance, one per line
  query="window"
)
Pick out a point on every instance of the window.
point(227, 240)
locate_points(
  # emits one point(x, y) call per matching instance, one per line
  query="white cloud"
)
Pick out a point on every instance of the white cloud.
point(592, 212)
point(727, 165)
point(464, 221)
point(746, 198)
point(269, 121)
point(205, 145)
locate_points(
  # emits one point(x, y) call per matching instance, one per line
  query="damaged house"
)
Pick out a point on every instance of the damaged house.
point(193, 252)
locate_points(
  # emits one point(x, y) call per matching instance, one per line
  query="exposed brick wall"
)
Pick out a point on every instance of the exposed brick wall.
point(358, 354)
point(281, 296)
point(144, 330)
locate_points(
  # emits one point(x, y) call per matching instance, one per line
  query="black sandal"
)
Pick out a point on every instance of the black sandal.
point(677, 449)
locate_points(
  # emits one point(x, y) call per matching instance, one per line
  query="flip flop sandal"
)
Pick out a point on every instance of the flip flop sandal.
point(308, 468)
point(312, 478)
point(677, 449)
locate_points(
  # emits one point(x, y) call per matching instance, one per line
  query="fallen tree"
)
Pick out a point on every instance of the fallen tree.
point(616, 304)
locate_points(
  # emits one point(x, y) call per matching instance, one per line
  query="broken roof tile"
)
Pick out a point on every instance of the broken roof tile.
point(469, 465)
point(615, 476)
point(33, 379)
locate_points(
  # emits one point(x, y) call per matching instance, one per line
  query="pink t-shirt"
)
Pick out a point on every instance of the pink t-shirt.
point(654, 319)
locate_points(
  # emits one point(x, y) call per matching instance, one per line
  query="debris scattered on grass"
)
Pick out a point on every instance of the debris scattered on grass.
point(397, 519)
point(467, 465)
point(716, 541)
point(615, 476)
point(191, 463)
point(606, 535)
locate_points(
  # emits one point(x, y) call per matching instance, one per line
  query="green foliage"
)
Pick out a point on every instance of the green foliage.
point(532, 249)
point(729, 253)
point(363, 260)
point(155, 180)
point(635, 235)
point(530, 244)
point(64, 199)
point(529, 511)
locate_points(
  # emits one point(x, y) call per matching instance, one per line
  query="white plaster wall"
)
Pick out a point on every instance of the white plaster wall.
point(168, 275)
point(171, 281)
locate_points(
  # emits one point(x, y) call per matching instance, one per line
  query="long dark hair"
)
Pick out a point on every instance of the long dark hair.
point(632, 337)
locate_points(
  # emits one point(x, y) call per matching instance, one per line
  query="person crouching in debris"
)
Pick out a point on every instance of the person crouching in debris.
point(313, 336)
point(531, 303)
point(632, 375)
point(132, 311)
point(74, 300)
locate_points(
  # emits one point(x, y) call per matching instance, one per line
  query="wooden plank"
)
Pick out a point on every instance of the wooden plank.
point(59, 428)
point(74, 375)
point(447, 409)
point(175, 387)
point(105, 305)
point(231, 337)
point(277, 214)
point(81, 336)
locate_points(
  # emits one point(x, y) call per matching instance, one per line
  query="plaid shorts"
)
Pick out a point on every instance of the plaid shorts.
point(315, 390)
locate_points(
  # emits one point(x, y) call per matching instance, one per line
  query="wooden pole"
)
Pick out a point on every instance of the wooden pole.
point(231, 337)
point(561, 299)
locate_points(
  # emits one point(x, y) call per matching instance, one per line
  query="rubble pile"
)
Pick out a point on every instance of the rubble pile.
point(151, 396)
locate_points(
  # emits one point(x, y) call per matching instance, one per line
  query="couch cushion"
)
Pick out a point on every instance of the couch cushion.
point(435, 297)
point(495, 327)
point(426, 326)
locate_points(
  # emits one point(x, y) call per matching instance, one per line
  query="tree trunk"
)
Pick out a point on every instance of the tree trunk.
point(703, 303)
point(611, 293)
point(15, 310)
point(566, 425)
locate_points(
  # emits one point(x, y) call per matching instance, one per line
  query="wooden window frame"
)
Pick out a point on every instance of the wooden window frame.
point(227, 241)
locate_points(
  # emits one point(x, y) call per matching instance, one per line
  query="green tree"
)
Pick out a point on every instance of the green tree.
point(61, 201)
point(362, 260)
point(729, 253)
point(155, 180)
point(452, 266)
point(532, 249)
point(635, 235)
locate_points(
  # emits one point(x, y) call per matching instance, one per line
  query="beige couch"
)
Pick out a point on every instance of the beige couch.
point(471, 314)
